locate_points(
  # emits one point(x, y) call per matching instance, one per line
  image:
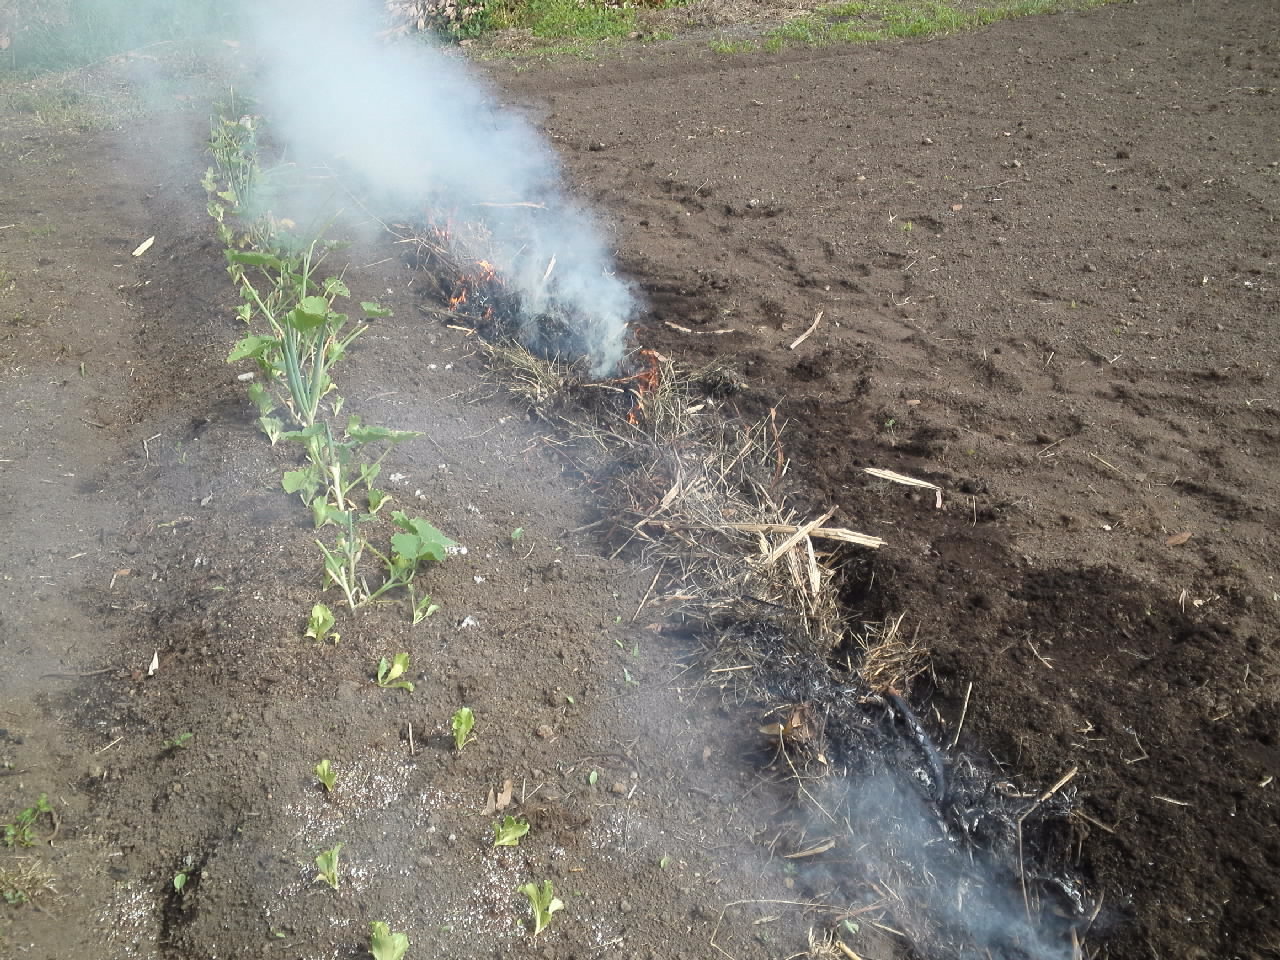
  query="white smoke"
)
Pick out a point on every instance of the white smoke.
point(417, 128)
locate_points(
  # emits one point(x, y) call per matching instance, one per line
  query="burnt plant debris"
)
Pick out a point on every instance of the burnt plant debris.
point(964, 856)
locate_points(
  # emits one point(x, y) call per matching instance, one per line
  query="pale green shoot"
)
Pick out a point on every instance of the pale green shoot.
point(320, 623)
point(462, 722)
point(327, 864)
point(385, 945)
point(508, 831)
point(544, 902)
point(326, 775)
point(390, 672)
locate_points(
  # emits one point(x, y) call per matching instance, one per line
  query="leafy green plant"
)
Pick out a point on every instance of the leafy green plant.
point(320, 624)
point(385, 945)
point(544, 903)
point(180, 742)
point(180, 881)
point(21, 831)
point(461, 723)
point(508, 831)
point(326, 775)
point(390, 672)
point(327, 864)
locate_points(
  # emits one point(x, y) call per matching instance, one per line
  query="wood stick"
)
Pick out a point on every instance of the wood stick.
point(797, 536)
point(964, 711)
point(821, 533)
point(805, 336)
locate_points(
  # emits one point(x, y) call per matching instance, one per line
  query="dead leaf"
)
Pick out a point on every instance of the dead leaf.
point(504, 795)
point(957, 207)
point(144, 246)
point(1178, 539)
point(155, 664)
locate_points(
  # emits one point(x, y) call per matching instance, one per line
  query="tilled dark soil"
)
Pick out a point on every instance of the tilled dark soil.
point(1044, 257)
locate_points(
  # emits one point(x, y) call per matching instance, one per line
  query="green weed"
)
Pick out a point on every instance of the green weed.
point(180, 742)
point(21, 831)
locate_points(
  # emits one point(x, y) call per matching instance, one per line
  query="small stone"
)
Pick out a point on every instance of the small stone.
point(618, 788)
point(1122, 154)
point(1090, 268)
point(595, 146)
point(927, 141)
point(545, 731)
point(624, 906)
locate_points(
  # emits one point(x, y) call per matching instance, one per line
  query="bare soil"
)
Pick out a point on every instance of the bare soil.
point(1044, 254)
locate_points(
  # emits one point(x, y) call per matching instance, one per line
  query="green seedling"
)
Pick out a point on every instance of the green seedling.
point(326, 775)
point(517, 535)
point(593, 777)
point(180, 742)
point(21, 832)
point(320, 624)
point(508, 831)
point(180, 881)
point(544, 903)
point(327, 864)
point(461, 723)
point(390, 672)
point(385, 945)
point(663, 862)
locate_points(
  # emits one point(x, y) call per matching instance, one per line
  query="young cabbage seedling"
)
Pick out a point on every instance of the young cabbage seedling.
point(326, 775)
point(179, 881)
point(180, 742)
point(508, 831)
point(327, 864)
point(544, 902)
point(390, 671)
point(320, 623)
point(462, 722)
point(385, 945)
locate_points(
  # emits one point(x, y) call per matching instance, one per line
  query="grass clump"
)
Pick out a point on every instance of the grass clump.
point(871, 21)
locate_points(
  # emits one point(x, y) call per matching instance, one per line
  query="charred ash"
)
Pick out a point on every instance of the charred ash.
point(950, 834)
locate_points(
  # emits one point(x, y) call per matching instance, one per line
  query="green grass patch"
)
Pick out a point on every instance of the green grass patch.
point(66, 34)
point(574, 19)
point(870, 21)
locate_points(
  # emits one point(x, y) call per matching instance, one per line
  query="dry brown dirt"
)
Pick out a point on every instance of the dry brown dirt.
point(1045, 258)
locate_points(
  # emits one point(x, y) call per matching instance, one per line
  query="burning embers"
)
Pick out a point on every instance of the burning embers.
point(525, 302)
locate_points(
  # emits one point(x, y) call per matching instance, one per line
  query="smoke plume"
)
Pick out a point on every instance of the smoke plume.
point(413, 130)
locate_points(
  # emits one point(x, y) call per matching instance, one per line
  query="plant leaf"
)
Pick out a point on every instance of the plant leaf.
point(367, 434)
point(372, 309)
point(254, 258)
point(254, 346)
point(508, 831)
point(385, 945)
point(462, 722)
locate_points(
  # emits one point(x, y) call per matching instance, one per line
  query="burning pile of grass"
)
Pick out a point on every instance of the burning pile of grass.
point(462, 261)
point(700, 498)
